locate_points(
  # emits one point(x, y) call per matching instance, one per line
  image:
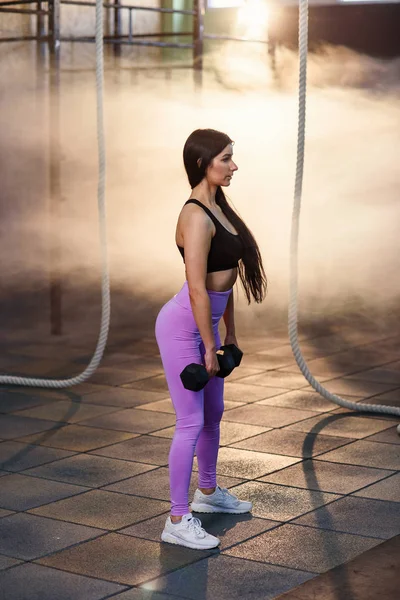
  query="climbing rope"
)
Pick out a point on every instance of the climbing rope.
point(293, 335)
point(105, 314)
point(105, 284)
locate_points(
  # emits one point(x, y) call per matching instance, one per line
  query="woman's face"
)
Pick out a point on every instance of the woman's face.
point(222, 168)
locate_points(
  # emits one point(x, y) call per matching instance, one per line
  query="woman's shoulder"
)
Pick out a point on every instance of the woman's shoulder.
point(193, 213)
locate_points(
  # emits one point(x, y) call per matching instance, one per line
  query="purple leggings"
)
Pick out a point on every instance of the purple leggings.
point(198, 414)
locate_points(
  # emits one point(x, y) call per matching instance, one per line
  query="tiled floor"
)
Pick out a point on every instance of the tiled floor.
point(84, 475)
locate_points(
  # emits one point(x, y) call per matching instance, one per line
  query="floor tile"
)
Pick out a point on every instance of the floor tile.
point(277, 379)
point(27, 536)
point(229, 578)
point(352, 387)
point(302, 400)
point(123, 559)
point(133, 420)
point(291, 443)
point(122, 397)
point(238, 374)
point(379, 374)
point(360, 516)
point(167, 433)
point(155, 484)
point(371, 575)
point(366, 454)
point(309, 352)
point(9, 362)
point(342, 424)
point(144, 449)
point(164, 406)
point(79, 438)
point(327, 366)
point(48, 351)
point(134, 362)
point(265, 360)
point(388, 489)
point(67, 412)
point(365, 356)
point(113, 376)
point(234, 432)
point(246, 392)
point(48, 584)
point(393, 366)
point(151, 384)
point(229, 432)
point(327, 341)
point(257, 343)
point(13, 426)
point(19, 492)
point(141, 594)
point(320, 549)
point(74, 394)
point(281, 503)
point(389, 398)
point(88, 470)
point(389, 436)
point(114, 358)
point(266, 416)
point(14, 401)
point(15, 456)
point(230, 529)
point(326, 476)
point(43, 367)
point(5, 563)
point(228, 404)
point(102, 509)
point(249, 465)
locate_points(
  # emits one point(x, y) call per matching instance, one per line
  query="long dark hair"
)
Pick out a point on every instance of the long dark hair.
point(206, 144)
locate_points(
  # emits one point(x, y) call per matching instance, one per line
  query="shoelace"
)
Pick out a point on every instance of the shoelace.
point(194, 524)
point(231, 497)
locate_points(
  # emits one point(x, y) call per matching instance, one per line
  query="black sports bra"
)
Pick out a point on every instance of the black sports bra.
point(226, 248)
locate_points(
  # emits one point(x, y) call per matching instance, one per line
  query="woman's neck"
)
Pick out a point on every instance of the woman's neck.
point(205, 193)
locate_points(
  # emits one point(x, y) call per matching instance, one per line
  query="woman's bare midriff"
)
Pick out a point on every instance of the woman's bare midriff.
point(221, 281)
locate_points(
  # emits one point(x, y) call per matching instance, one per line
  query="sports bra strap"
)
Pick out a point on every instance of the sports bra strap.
point(207, 210)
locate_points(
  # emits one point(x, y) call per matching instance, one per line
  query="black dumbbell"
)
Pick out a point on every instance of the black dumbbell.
point(194, 377)
point(236, 355)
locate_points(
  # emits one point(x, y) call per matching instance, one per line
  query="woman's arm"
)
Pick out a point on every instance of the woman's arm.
point(197, 232)
point(229, 317)
point(229, 320)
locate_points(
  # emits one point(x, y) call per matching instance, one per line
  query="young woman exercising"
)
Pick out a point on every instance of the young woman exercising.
point(216, 247)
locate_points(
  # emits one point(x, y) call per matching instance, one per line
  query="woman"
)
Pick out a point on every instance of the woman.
point(216, 246)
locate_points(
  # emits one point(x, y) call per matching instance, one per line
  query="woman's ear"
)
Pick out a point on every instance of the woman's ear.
point(199, 162)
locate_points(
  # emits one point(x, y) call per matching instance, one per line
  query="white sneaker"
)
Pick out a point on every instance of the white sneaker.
point(221, 501)
point(188, 532)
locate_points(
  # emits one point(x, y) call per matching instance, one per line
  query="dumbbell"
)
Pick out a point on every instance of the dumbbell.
point(194, 377)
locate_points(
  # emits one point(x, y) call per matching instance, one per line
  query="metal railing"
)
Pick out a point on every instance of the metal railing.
point(52, 34)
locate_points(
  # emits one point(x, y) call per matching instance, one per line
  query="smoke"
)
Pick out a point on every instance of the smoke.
point(349, 261)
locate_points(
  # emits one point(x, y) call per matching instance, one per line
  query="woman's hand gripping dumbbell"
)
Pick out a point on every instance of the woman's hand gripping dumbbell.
point(194, 377)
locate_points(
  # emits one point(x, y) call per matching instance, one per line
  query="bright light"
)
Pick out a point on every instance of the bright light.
point(253, 18)
point(224, 3)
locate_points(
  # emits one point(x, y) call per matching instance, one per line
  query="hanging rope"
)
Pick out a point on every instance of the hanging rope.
point(293, 317)
point(293, 335)
point(105, 285)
